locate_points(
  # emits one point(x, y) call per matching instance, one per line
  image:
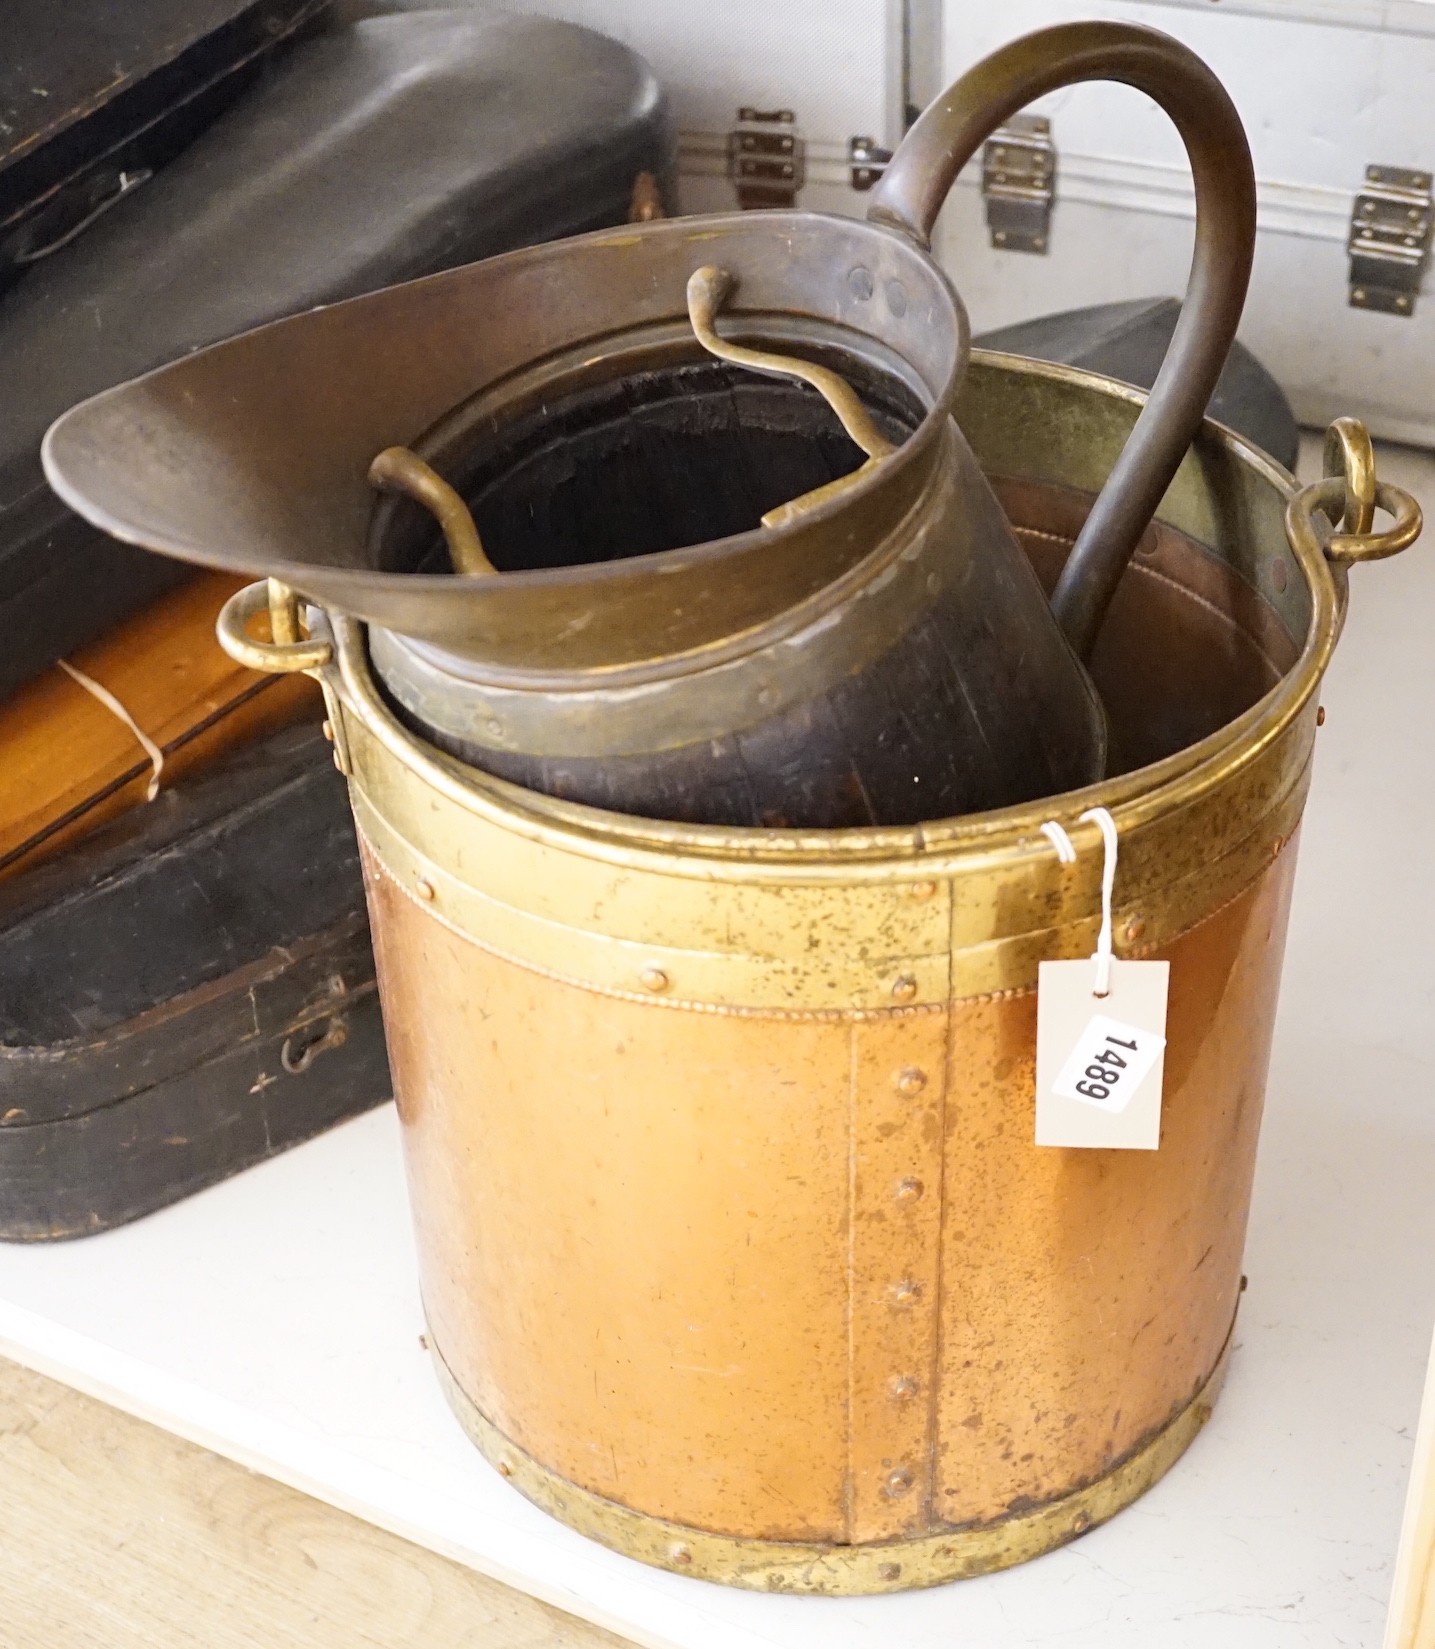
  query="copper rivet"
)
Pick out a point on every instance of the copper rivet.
point(1320, 716)
point(680, 1553)
point(903, 1388)
point(1081, 1522)
point(899, 1481)
point(424, 889)
point(654, 979)
point(908, 1190)
point(504, 1469)
point(1135, 928)
point(328, 731)
point(924, 890)
point(911, 1081)
point(904, 1292)
point(889, 1571)
point(904, 988)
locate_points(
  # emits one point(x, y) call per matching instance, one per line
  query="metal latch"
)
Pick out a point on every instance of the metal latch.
point(1019, 183)
point(1389, 245)
point(765, 158)
point(866, 162)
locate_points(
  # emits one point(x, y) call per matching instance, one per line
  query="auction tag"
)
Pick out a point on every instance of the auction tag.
point(1100, 1059)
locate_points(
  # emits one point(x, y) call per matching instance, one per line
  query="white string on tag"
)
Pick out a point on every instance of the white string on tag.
point(1107, 826)
point(1100, 1030)
point(1066, 853)
point(1060, 841)
point(113, 705)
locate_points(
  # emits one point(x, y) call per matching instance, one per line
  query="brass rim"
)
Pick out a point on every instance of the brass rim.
point(720, 853)
point(939, 961)
point(832, 1570)
point(884, 854)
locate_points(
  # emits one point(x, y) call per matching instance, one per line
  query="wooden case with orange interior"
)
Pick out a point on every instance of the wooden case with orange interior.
point(188, 981)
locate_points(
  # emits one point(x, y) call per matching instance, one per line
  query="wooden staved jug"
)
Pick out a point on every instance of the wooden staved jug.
point(880, 655)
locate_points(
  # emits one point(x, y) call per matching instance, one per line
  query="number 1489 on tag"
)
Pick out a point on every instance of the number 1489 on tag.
point(1107, 1065)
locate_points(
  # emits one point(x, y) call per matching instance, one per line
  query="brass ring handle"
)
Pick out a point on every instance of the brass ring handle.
point(1350, 455)
point(273, 657)
point(951, 131)
point(398, 470)
point(1330, 497)
point(707, 287)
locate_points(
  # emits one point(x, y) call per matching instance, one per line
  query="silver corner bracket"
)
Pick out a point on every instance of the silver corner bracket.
point(1019, 183)
point(1390, 233)
point(866, 162)
point(766, 159)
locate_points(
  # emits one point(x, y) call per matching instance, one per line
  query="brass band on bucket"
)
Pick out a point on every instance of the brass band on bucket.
point(828, 1569)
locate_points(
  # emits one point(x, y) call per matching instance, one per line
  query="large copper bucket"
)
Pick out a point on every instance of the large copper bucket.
point(736, 1249)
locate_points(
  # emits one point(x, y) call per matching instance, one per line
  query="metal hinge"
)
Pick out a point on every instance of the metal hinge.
point(765, 158)
point(1389, 245)
point(866, 162)
point(1019, 183)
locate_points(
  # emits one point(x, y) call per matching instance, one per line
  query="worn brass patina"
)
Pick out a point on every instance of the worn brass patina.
point(818, 1569)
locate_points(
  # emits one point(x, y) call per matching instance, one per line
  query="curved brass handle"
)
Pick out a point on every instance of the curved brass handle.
point(951, 131)
point(288, 652)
